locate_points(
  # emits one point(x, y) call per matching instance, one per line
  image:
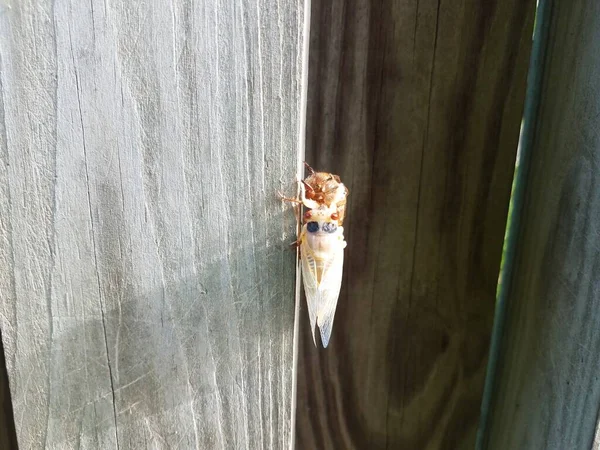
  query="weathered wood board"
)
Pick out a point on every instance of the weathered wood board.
point(547, 394)
point(417, 105)
point(147, 286)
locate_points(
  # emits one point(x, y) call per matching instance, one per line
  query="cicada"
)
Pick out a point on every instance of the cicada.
point(322, 244)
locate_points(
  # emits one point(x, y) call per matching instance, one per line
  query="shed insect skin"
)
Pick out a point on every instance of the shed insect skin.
point(324, 189)
point(322, 244)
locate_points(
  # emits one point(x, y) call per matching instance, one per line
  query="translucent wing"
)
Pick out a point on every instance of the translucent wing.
point(329, 292)
point(311, 287)
point(322, 291)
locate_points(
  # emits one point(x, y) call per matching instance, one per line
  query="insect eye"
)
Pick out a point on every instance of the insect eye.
point(312, 227)
point(335, 216)
point(329, 227)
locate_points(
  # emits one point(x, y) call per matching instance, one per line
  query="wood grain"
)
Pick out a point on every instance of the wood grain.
point(148, 288)
point(548, 391)
point(417, 106)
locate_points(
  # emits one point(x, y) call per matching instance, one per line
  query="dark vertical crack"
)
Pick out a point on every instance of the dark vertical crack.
point(102, 309)
point(418, 207)
point(415, 31)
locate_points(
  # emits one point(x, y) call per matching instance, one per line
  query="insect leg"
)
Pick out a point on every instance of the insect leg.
point(306, 194)
point(310, 169)
point(288, 199)
point(308, 190)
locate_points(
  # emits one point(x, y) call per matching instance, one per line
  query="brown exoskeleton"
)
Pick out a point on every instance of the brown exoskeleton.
point(324, 189)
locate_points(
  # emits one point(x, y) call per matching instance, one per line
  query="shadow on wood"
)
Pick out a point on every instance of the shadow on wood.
point(148, 289)
point(8, 435)
point(417, 106)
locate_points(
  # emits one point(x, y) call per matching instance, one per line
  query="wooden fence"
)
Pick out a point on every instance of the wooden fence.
point(417, 106)
point(547, 390)
point(148, 291)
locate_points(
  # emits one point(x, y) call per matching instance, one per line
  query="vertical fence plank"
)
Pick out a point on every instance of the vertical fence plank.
point(417, 106)
point(147, 285)
point(547, 393)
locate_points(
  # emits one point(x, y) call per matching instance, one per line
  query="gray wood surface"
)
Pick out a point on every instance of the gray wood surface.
point(147, 286)
point(548, 390)
point(417, 106)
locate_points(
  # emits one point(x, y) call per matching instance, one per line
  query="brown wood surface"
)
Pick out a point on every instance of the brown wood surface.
point(417, 105)
point(547, 394)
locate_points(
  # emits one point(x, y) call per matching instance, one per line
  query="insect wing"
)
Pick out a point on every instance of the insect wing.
point(329, 292)
point(311, 287)
point(322, 295)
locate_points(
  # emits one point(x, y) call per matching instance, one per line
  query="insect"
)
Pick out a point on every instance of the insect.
point(324, 189)
point(322, 244)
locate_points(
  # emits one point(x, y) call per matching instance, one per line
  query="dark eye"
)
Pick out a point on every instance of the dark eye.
point(329, 227)
point(312, 227)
